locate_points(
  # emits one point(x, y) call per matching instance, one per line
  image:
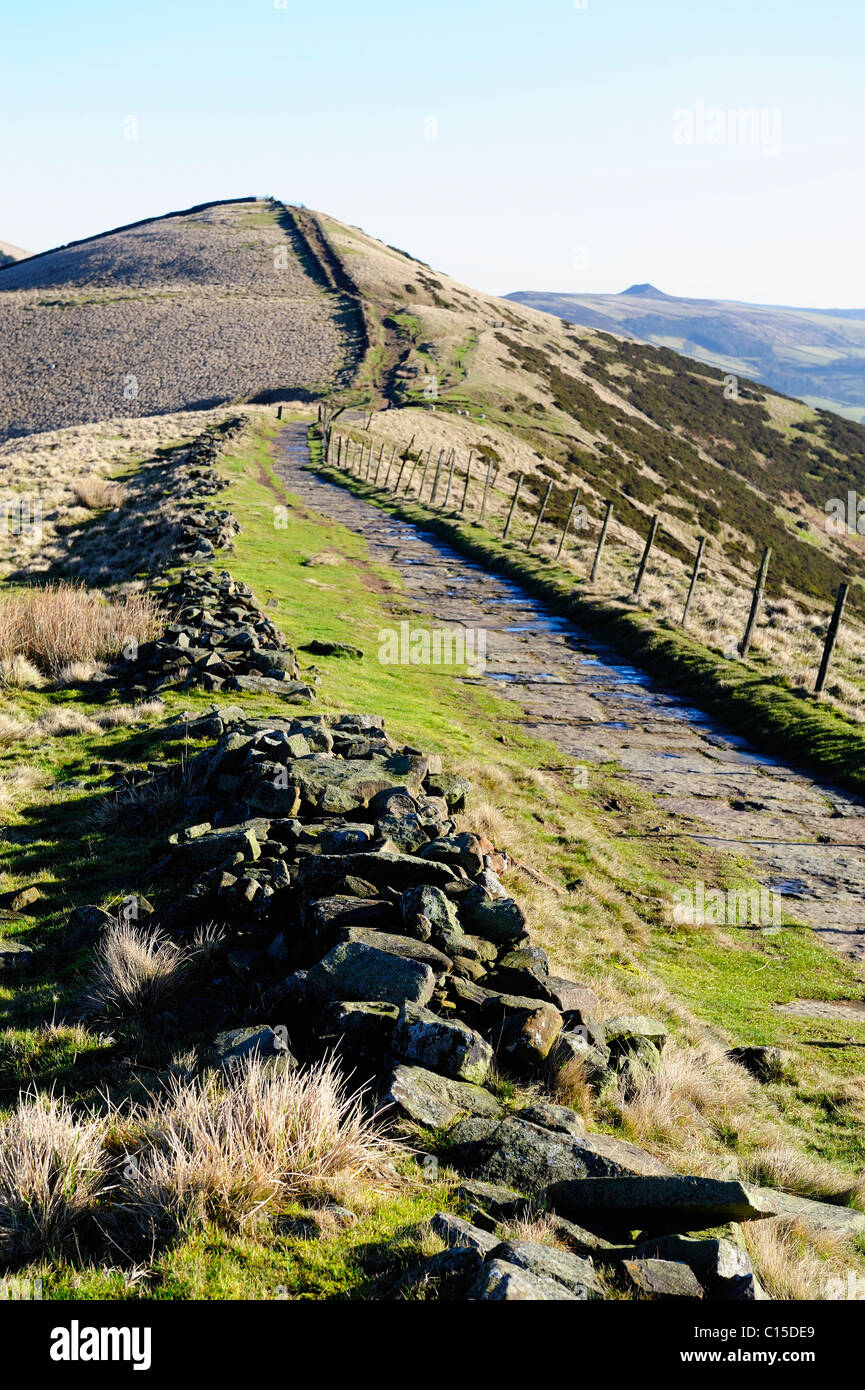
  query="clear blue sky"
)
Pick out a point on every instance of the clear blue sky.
point(558, 162)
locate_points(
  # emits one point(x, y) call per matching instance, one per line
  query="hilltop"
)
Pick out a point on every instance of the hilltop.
point(257, 301)
point(217, 303)
point(815, 354)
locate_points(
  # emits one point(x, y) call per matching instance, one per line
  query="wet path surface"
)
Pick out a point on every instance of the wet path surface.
point(806, 838)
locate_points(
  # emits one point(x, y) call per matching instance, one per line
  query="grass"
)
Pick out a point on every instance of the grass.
point(232, 1149)
point(97, 492)
point(607, 927)
point(61, 623)
point(136, 971)
point(52, 1164)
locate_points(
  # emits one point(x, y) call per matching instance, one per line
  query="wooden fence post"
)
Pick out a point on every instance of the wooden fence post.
point(414, 468)
point(466, 488)
point(831, 636)
point(279, 412)
point(486, 490)
point(694, 577)
point(339, 451)
point(571, 510)
point(605, 526)
point(390, 465)
point(539, 517)
point(745, 645)
point(432, 496)
point(423, 474)
point(453, 464)
point(520, 477)
point(403, 463)
point(404, 457)
point(378, 464)
point(650, 541)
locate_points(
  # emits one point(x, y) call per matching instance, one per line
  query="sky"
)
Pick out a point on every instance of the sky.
point(549, 145)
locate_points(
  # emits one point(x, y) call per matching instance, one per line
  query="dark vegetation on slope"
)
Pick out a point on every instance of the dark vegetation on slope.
point(815, 354)
point(689, 413)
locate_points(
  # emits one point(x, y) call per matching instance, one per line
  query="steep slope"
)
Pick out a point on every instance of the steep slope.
point(219, 303)
point(255, 300)
point(636, 424)
point(815, 354)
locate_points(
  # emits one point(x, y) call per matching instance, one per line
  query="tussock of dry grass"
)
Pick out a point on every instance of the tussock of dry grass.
point(158, 796)
point(691, 1091)
point(780, 1165)
point(51, 1166)
point(135, 970)
point(79, 673)
point(119, 716)
point(13, 728)
point(569, 1085)
point(227, 1148)
point(19, 673)
point(56, 624)
point(64, 720)
point(794, 1263)
point(17, 783)
point(537, 1226)
point(95, 492)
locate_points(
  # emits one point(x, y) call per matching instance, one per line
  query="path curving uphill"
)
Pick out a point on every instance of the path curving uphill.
point(805, 837)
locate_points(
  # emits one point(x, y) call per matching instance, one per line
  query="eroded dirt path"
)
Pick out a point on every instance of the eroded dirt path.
point(805, 837)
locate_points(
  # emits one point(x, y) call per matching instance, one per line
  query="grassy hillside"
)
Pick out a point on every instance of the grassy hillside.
point(815, 354)
point(594, 897)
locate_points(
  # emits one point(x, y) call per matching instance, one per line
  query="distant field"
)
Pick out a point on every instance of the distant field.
point(817, 355)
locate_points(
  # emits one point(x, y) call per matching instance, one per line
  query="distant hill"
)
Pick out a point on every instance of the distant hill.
point(253, 299)
point(218, 303)
point(9, 253)
point(817, 355)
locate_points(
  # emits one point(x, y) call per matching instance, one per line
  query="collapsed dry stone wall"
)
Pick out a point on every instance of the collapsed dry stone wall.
point(356, 917)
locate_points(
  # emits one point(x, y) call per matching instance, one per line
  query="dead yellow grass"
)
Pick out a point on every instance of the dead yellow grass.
point(95, 492)
point(793, 1263)
point(673, 1107)
point(228, 1148)
point(51, 1166)
point(135, 970)
point(18, 782)
point(56, 624)
point(19, 673)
